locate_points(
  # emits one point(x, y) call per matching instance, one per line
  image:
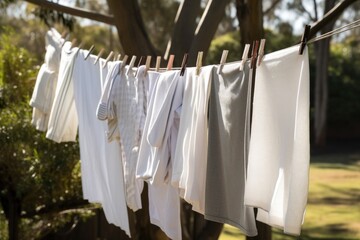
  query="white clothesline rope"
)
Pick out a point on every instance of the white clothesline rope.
point(347, 27)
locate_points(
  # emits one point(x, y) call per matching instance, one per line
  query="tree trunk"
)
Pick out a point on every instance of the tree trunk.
point(250, 16)
point(205, 31)
point(264, 232)
point(130, 27)
point(183, 34)
point(14, 216)
point(322, 49)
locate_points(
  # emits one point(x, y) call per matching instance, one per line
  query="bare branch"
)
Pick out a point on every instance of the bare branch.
point(334, 13)
point(273, 5)
point(316, 10)
point(78, 12)
point(307, 12)
point(75, 203)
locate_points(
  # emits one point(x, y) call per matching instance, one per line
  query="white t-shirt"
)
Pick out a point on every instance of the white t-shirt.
point(278, 167)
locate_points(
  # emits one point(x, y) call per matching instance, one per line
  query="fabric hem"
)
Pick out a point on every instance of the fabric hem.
point(250, 233)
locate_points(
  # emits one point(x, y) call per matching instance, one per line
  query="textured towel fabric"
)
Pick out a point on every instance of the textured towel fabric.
point(278, 167)
point(226, 165)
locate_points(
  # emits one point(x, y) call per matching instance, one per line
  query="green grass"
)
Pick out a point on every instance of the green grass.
point(333, 210)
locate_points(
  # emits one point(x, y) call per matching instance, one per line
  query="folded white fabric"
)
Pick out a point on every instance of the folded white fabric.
point(278, 168)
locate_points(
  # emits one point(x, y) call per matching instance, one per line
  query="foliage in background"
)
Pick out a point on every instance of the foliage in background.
point(160, 27)
point(40, 175)
point(344, 82)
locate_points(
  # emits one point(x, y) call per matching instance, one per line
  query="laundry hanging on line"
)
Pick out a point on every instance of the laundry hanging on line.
point(187, 136)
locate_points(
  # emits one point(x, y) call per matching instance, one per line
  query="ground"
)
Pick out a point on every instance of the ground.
point(333, 209)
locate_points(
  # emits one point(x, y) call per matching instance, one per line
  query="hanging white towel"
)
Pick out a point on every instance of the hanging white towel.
point(278, 168)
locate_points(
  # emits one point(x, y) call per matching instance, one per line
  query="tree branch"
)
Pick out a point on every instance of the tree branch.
point(273, 5)
point(207, 26)
point(78, 12)
point(306, 11)
point(316, 10)
point(334, 13)
point(78, 203)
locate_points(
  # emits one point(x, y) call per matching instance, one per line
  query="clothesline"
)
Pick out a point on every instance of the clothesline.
point(347, 27)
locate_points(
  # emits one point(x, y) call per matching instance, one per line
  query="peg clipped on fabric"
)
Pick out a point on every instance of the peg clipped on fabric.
point(158, 62)
point(222, 60)
point(108, 59)
point(183, 64)
point(99, 55)
point(73, 43)
point(131, 64)
point(199, 62)
point(147, 64)
point(80, 46)
point(170, 62)
point(304, 39)
point(90, 50)
point(254, 53)
point(261, 51)
point(245, 57)
point(118, 57)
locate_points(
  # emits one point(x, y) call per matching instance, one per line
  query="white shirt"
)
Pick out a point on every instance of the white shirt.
point(278, 167)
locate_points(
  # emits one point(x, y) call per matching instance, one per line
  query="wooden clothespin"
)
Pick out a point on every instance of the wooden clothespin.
point(90, 50)
point(304, 39)
point(123, 63)
point(261, 51)
point(183, 64)
point(147, 64)
point(131, 65)
point(73, 43)
point(245, 57)
point(64, 33)
point(99, 55)
point(170, 62)
point(199, 62)
point(108, 59)
point(118, 57)
point(79, 47)
point(222, 60)
point(139, 64)
point(158, 63)
point(254, 53)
